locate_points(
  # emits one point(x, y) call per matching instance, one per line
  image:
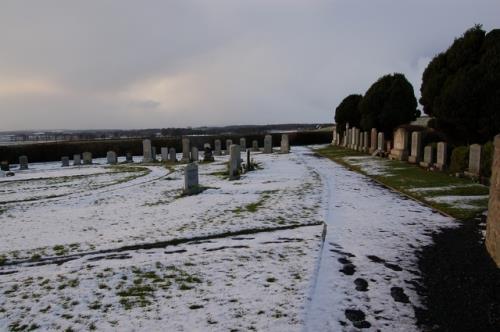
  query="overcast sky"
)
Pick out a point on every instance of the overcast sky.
point(141, 64)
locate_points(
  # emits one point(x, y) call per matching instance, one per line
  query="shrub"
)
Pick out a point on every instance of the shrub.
point(459, 159)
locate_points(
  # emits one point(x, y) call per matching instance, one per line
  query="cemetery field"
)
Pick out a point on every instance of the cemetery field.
point(459, 197)
point(301, 243)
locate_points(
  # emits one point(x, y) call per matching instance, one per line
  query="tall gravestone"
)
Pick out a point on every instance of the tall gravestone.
point(474, 160)
point(366, 142)
point(373, 140)
point(111, 157)
point(334, 135)
point(416, 147)
point(217, 147)
point(23, 162)
point(87, 158)
point(228, 146)
point(493, 220)
point(172, 157)
point(164, 153)
point(255, 145)
point(268, 144)
point(234, 161)
point(381, 142)
point(191, 183)
point(194, 154)
point(153, 153)
point(442, 155)
point(243, 143)
point(346, 136)
point(400, 150)
point(285, 144)
point(77, 160)
point(147, 152)
point(428, 157)
point(360, 140)
point(64, 161)
point(185, 149)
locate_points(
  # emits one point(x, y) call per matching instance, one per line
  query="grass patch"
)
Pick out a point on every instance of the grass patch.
point(406, 178)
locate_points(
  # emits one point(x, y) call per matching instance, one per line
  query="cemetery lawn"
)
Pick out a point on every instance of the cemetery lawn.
point(457, 197)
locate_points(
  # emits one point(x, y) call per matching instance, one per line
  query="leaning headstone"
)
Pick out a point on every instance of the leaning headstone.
point(217, 147)
point(428, 157)
point(285, 144)
point(442, 155)
point(111, 157)
point(172, 157)
point(243, 143)
point(77, 160)
point(381, 142)
point(185, 150)
point(255, 145)
point(164, 153)
point(64, 161)
point(474, 160)
point(373, 140)
point(191, 185)
point(228, 145)
point(416, 147)
point(87, 158)
point(23, 162)
point(153, 153)
point(4, 166)
point(129, 158)
point(268, 144)
point(493, 220)
point(147, 152)
point(400, 150)
point(234, 161)
point(194, 154)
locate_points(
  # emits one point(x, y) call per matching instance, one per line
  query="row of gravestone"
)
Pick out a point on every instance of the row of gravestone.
point(191, 178)
point(149, 153)
point(375, 143)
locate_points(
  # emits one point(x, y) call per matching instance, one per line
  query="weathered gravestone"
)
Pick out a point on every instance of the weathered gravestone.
point(373, 140)
point(381, 142)
point(228, 146)
point(442, 155)
point(428, 157)
point(185, 150)
point(191, 185)
point(153, 153)
point(87, 158)
point(474, 160)
point(400, 150)
point(493, 220)
point(234, 161)
point(416, 147)
point(164, 153)
point(217, 147)
point(366, 142)
point(172, 155)
point(4, 166)
point(77, 160)
point(285, 144)
point(147, 152)
point(255, 145)
point(64, 161)
point(268, 144)
point(23, 162)
point(111, 157)
point(243, 143)
point(194, 154)
point(129, 158)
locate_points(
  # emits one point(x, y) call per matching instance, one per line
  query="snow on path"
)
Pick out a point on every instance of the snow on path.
point(371, 240)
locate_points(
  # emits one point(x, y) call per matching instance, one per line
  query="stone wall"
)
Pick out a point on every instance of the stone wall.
point(493, 224)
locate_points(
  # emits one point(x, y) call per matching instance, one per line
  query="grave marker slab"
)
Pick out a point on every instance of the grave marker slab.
point(428, 157)
point(111, 157)
point(442, 155)
point(285, 144)
point(416, 147)
point(23, 162)
point(147, 152)
point(87, 158)
point(268, 144)
point(400, 150)
point(164, 153)
point(474, 160)
point(217, 147)
point(64, 161)
point(191, 184)
point(185, 150)
point(77, 160)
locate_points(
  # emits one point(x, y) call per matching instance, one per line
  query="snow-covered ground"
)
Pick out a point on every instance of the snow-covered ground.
point(130, 253)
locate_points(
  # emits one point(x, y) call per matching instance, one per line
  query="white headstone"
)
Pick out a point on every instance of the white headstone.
point(111, 157)
point(268, 144)
point(77, 160)
point(164, 153)
point(234, 161)
point(285, 145)
point(442, 155)
point(191, 184)
point(416, 147)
